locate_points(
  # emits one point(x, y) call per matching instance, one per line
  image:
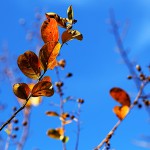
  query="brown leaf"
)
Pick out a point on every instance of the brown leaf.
point(51, 113)
point(120, 96)
point(61, 21)
point(56, 133)
point(121, 111)
point(49, 31)
point(29, 65)
point(43, 88)
point(33, 101)
point(71, 34)
point(21, 90)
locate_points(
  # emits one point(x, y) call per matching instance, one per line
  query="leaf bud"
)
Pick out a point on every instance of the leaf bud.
point(25, 123)
point(69, 75)
point(81, 101)
point(138, 68)
point(62, 63)
point(129, 77)
point(15, 120)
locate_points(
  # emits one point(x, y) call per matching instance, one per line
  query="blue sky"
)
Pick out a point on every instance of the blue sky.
point(96, 66)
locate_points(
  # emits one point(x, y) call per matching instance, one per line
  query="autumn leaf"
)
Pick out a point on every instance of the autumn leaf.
point(60, 21)
point(21, 90)
point(51, 113)
point(42, 88)
point(52, 62)
point(56, 133)
point(33, 101)
point(45, 53)
point(49, 31)
point(71, 34)
point(70, 13)
point(48, 54)
point(29, 64)
point(64, 139)
point(121, 111)
point(120, 96)
point(46, 78)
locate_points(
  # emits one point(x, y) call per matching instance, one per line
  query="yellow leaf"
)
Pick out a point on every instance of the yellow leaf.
point(55, 133)
point(70, 13)
point(121, 111)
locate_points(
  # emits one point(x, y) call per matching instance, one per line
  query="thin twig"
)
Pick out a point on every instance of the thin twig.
point(78, 126)
point(14, 115)
point(25, 131)
point(109, 135)
point(61, 103)
point(122, 50)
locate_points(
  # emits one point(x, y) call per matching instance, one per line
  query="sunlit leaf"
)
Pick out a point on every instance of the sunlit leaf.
point(49, 31)
point(52, 113)
point(45, 53)
point(66, 122)
point(71, 34)
point(48, 54)
point(64, 139)
point(46, 78)
point(63, 116)
point(52, 62)
point(55, 133)
point(33, 101)
point(43, 88)
point(121, 111)
point(70, 13)
point(61, 21)
point(120, 96)
point(29, 64)
point(21, 90)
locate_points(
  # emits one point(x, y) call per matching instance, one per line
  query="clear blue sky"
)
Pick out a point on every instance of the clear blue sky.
point(96, 66)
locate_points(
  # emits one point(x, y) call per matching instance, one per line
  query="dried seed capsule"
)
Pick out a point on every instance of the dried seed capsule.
point(138, 68)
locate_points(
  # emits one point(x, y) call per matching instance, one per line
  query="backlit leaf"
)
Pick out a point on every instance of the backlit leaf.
point(52, 62)
point(45, 53)
point(52, 113)
point(71, 34)
point(70, 13)
point(61, 21)
point(46, 78)
point(43, 88)
point(55, 133)
point(120, 96)
point(49, 31)
point(29, 65)
point(64, 139)
point(121, 111)
point(21, 90)
point(33, 101)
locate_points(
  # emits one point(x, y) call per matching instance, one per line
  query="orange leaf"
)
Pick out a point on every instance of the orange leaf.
point(49, 31)
point(121, 111)
point(71, 34)
point(21, 90)
point(45, 53)
point(43, 88)
point(56, 133)
point(46, 78)
point(29, 65)
point(52, 62)
point(51, 113)
point(120, 96)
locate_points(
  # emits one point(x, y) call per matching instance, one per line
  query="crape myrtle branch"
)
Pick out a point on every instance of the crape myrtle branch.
point(111, 132)
point(14, 115)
